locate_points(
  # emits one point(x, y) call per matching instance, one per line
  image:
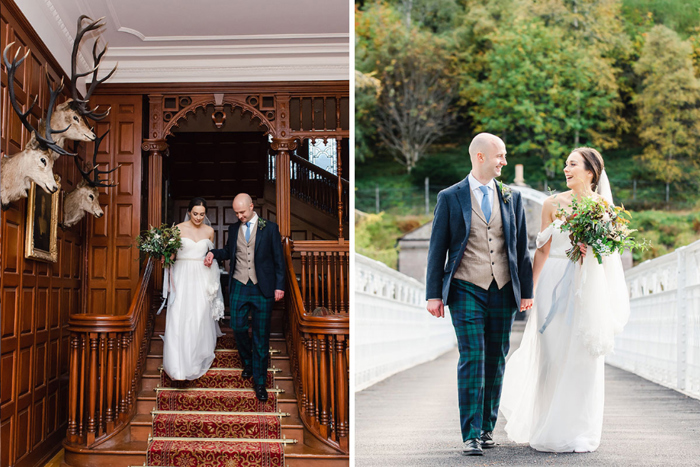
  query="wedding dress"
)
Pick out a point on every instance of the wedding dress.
point(553, 389)
point(195, 303)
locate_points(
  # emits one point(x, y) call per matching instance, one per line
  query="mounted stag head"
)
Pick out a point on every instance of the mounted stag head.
point(35, 162)
point(77, 104)
point(85, 197)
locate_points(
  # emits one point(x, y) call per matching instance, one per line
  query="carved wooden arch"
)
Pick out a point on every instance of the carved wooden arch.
point(204, 101)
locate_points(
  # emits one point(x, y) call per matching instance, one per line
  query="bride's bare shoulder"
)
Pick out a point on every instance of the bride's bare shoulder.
point(558, 200)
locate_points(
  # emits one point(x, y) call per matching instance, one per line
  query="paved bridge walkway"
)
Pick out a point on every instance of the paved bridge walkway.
point(411, 419)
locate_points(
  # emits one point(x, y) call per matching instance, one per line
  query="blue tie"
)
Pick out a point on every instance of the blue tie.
point(247, 231)
point(485, 204)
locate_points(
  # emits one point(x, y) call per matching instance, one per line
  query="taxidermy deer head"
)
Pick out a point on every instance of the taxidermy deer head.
point(75, 111)
point(85, 197)
point(35, 162)
point(76, 104)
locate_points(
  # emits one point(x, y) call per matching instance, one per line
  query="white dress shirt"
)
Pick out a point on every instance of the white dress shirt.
point(475, 185)
point(253, 222)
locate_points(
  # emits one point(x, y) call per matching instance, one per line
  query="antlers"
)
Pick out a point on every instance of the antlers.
point(81, 105)
point(46, 142)
point(95, 171)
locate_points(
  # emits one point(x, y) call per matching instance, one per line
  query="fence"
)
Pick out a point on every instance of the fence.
point(634, 194)
point(393, 330)
point(661, 341)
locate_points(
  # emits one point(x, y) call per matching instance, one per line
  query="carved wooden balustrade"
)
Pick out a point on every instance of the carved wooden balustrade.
point(107, 359)
point(319, 345)
point(315, 186)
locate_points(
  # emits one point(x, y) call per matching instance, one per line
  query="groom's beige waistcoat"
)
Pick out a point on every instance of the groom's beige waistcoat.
point(485, 257)
point(245, 256)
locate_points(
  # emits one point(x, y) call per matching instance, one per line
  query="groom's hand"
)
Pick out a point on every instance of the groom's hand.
point(526, 303)
point(436, 308)
point(209, 259)
point(279, 295)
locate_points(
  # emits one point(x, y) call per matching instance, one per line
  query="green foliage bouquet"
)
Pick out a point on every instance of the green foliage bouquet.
point(599, 225)
point(160, 242)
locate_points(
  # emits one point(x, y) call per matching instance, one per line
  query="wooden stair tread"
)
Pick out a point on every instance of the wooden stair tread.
point(142, 419)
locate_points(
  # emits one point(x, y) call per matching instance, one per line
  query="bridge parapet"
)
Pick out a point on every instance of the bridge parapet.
point(393, 330)
point(661, 341)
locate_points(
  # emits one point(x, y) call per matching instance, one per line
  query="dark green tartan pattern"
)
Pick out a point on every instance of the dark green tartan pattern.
point(248, 299)
point(482, 320)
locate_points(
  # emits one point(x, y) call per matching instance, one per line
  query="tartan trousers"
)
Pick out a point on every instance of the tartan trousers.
point(482, 320)
point(248, 299)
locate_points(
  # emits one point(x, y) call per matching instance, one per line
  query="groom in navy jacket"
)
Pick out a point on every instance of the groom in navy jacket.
point(479, 228)
point(256, 281)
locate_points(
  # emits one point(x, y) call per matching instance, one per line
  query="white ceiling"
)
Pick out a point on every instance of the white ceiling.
point(169, 41)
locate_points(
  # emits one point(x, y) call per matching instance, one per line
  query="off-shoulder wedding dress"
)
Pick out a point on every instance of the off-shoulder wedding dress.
point(195, 303)
point(553, 390)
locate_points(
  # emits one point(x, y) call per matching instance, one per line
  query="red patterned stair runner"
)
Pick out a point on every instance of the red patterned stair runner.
point(216, 420)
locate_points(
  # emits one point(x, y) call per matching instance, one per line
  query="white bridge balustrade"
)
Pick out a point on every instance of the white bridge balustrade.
point(661, 341)
point(393, 330)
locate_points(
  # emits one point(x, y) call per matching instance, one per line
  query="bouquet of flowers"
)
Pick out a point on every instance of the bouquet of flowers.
point(601, 226)
point(160, 242)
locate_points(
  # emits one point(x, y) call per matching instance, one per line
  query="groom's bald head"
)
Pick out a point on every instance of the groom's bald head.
point(488, 154)
point(485, 143)
point(243, 206)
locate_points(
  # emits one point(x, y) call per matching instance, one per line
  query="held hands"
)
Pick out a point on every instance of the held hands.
point(209, 259)
point(162, 258)
point(436, 308)
point(279, 295)
point(526, 303)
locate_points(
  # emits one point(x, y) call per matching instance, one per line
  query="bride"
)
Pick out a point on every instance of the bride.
point(195, 302)
point(553, 389)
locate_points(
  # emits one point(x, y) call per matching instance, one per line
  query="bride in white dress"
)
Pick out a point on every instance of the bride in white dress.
point(195, 302)
point(553, 389)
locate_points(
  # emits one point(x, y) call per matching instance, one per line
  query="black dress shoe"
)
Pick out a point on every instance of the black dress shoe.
point(247, 373)
point(487, 441)
point(261, 392)
point(472, 447)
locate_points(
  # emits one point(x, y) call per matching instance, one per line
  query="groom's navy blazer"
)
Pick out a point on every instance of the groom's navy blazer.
point(269, 261)
point(451, 226)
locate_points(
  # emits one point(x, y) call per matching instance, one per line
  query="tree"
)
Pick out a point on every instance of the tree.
point(669, 106)
point(367, 89)
point(415, 70)
point(541, 91)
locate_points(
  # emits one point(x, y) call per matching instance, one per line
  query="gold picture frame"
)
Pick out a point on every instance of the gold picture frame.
point(42, 224)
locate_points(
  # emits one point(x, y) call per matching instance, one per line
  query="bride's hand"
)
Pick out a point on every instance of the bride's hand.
point(582, 248)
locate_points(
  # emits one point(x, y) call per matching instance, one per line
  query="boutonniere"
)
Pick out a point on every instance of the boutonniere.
point(261, 224)
point(506, 191)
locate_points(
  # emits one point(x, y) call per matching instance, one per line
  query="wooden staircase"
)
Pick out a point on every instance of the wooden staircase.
point(129, 446)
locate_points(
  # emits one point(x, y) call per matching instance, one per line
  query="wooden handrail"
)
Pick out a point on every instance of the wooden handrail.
point(316, 169)
point(316, 186)
point(107, 360)
point(319, 356)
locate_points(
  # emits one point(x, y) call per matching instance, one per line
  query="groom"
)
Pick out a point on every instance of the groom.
point(256, 281)
point(479, 226)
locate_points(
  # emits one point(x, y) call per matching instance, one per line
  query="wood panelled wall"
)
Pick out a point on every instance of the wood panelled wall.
point(35, 297)
point(113, 266)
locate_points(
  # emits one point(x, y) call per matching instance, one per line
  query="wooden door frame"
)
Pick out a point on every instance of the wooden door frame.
point(268, 103)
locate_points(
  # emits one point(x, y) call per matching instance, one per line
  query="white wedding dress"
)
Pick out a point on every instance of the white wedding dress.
point(195, 303)
point(553, 388)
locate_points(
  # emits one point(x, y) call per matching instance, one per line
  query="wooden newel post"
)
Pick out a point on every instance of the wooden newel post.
point(283, 146)
point(156, 149)
point(341, 207)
